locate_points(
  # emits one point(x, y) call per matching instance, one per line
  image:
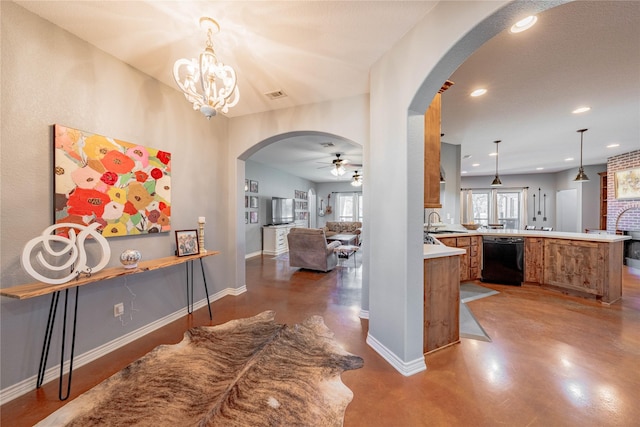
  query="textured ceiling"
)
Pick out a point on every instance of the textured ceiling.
point(584, 52)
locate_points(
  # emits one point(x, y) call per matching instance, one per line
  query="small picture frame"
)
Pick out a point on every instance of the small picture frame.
point(246, 217)
point(246, 185)
point(253, 215)
point(253, 186)
point(246, 201)
point(253, 202)
point(187, 242)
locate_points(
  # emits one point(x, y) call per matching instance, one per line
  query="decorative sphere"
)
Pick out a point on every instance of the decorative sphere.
point(130, 258)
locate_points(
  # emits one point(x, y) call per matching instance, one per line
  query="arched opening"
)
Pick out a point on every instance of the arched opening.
point(242, 251)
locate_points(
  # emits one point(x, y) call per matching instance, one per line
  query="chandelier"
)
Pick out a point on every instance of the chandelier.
point(208, 84)
point(356, 180)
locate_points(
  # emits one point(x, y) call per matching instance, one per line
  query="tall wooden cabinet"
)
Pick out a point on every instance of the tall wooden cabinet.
point(603, 200)
point(432, 120)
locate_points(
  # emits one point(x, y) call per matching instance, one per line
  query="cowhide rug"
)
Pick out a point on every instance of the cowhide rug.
point(246, 372)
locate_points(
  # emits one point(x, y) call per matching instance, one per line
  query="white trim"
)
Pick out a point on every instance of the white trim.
point(405, 368)
point(252, 254)
point(27, 385)
point(364, 314)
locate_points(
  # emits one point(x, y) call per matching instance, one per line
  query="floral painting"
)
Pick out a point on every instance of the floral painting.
point(123, 186)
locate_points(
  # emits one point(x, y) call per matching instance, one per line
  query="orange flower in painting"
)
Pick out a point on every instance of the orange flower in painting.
point(87, 202)
point(141, 176)
point(97, 146)
point(138, 196)
point(130, 209)
point(163, 220)
point(117, 162)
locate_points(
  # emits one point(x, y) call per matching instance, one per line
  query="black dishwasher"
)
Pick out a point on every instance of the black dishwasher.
point(503, 260)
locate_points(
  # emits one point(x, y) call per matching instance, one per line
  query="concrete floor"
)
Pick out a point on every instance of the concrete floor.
point(554, 360)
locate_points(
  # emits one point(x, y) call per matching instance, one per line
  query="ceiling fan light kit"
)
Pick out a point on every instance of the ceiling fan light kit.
point(209, 85)
point(356, 180)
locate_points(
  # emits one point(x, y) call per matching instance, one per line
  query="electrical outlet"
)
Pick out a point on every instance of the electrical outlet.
point(118, 309)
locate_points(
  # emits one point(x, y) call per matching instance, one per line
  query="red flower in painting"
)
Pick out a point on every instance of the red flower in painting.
point(164, 157)
point(141, 176)
point(84, 201)
point(161, 206)
point(130, 209)
point(109, 178)
point(156, 173)
point(117, 162)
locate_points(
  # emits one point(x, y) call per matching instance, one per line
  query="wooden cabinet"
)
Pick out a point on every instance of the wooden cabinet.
point(471, 261)
point(441, 303)
point(432, 119)
point(603, 200)
point(533, 257)
point(588, 267)
point(274, 239)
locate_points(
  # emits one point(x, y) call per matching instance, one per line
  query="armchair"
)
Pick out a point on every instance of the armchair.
point(308, 248)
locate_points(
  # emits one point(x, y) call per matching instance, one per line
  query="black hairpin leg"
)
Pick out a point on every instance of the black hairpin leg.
point(47, 338)
point(206, 289)
point(73, 345)
point(55, 297)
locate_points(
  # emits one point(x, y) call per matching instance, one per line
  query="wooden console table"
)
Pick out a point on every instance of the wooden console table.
point(32, 290)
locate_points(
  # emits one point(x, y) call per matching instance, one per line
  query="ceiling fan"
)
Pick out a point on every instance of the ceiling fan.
point(338, 165)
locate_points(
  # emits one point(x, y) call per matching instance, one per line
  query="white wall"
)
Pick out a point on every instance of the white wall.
point(50, 76)
point(450, 190)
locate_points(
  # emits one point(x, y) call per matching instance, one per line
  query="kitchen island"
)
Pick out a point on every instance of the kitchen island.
point(576, 263)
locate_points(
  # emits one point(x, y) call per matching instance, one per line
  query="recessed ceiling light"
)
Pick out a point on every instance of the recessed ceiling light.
point(539, 169)
point(524, 24)
point(613, 145)
point(475, 165)
point(568, 159)
point(581, 110)
point(493, 154)
point(478, 92)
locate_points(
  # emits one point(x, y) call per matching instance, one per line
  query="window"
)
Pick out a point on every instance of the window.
point(349, 207)
point(493, 206)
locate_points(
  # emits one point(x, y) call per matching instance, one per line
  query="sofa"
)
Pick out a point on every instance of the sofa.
point(332, 228)
point(308, 249)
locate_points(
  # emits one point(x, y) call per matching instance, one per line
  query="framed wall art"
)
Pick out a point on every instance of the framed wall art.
point(253, 217)
point(246, 185)
point(253, 186)
point(246, 217)
point(124, 187)
point(253, 202)
point(627, 184)
point(187, 242)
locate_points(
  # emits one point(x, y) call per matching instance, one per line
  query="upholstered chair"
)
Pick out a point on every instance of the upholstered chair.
point(308, 248)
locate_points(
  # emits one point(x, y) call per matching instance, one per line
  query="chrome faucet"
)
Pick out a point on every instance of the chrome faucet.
point(429, 220)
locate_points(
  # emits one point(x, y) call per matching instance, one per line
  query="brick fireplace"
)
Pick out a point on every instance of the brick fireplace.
point(623, 216)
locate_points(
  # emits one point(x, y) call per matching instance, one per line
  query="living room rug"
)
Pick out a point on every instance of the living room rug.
point(469, 325)
point(246, 372)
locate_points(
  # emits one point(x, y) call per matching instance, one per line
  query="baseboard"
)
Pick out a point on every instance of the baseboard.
point(405, 368)
point(27, 385)
point(364, 314)
point(252, 254)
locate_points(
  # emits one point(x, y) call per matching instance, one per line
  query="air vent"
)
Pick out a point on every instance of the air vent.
point(276, 94)
point(327, 144)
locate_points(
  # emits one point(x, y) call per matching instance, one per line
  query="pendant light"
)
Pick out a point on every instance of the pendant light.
point(496, 181)
point(581, 177)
